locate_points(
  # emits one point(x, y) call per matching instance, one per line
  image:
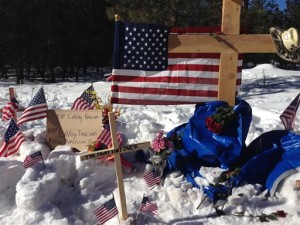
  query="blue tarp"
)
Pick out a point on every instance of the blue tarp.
point(267, 160)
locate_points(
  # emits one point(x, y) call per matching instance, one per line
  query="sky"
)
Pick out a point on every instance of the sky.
point(281, 4)
point(68, 190)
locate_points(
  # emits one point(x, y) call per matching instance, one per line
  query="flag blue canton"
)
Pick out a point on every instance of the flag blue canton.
point(14, 100)
point(87, 95)
point(39, 98)
point(36, 154)
point(110, 204)
point(144, 47)
point(12, 130)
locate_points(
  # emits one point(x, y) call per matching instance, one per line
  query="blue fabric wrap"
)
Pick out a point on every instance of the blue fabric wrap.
point(277, 155)
point(212, 149)
point(205, 148)
point(289, 164)
point(267, 160)
point(216, 193)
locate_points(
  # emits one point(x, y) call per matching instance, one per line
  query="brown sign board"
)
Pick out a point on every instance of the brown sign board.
point(75, 128)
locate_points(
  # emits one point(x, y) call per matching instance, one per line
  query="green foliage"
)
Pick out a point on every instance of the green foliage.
point(173, 13)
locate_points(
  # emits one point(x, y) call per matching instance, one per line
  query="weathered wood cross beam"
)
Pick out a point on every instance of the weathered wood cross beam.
point(116, 150)
point(229, 44)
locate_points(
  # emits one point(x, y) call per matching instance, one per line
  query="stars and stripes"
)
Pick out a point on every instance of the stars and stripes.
point(105, 138)
point(106, 211)
point(12, 141)
point(145, 73)
point(288, 115)
point(37, 108)
point(147, 206)
point(32, 159)
point(10, 109)
point(86, 101)
point(152, 178)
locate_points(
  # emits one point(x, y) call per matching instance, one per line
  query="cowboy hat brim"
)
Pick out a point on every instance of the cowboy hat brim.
point(282, 51)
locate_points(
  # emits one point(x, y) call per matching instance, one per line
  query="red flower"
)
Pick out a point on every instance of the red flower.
point(281, 213)
point(97, 145)
point(209, 121)
point(219, 121)
point(218, 128)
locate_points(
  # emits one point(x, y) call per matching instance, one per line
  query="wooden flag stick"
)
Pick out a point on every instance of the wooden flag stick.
point(11, 96)
point(118, 165)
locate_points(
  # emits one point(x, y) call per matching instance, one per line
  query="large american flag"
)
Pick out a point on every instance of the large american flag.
point(86, 101)
point(152, 178)
point(147, 206)
point(106, 211)
point(289, 114)
point(105, 138)
point(37, 108)
point(10, 109)
point(32, 159)
point(12, 141)
point(145, 73)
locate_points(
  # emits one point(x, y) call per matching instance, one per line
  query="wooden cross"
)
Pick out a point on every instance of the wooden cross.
point(116, 150)
point(229, 44)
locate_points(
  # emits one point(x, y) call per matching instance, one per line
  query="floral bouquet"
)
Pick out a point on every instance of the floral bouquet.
point(162, 148)
point(105, 110)
point(219, 122)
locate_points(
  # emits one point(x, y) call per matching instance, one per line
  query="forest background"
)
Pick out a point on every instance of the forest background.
point(59, 40)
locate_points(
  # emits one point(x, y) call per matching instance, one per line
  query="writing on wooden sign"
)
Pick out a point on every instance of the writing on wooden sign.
point(75, 128)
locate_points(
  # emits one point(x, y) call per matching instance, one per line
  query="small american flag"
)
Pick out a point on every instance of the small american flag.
point(86, 100)
point(105, 138)
point(288, 116)
point(32, 159)
point(10, 109)
point(106, 211)
point(13, 139)
point(152, 178)
point(147, 206)
point(146, 73)
point(37, 108)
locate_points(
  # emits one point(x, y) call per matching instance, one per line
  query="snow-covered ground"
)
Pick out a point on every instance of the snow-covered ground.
point(68, 190)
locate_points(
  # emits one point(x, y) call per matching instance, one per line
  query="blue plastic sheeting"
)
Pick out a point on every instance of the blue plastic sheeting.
point(205, 148)
point(266, 161)
point(289, 164)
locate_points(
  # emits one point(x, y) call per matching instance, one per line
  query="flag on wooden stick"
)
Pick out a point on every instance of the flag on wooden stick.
point(152, 178)
point(289, 114)
point(144, 72)
point(37, 108)
point(33, 159)
point(105, 138)
point(147, 206)
point(106, 211)
point(10, 109)
point(12, 141)
point(86, 101)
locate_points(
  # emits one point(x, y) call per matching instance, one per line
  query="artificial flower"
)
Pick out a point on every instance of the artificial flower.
point(218, 122)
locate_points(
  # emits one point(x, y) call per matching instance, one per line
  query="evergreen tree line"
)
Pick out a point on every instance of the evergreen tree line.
point(61, 39)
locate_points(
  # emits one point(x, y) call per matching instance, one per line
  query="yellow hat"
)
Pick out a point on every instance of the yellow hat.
point(290, 39)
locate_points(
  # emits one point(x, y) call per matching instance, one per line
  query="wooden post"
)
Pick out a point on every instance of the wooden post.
point(118, 165)
point(230, 43)
point(229, 61)
point(12, 95)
